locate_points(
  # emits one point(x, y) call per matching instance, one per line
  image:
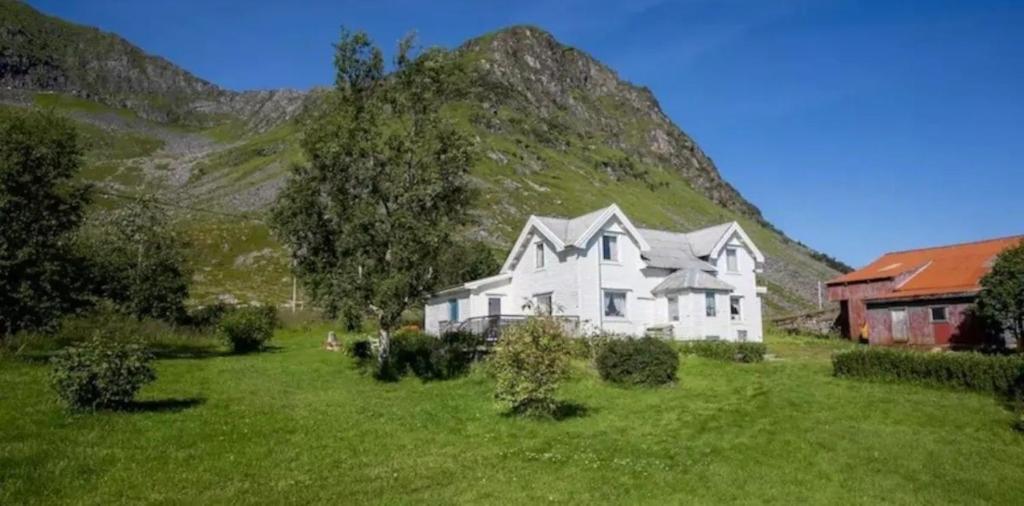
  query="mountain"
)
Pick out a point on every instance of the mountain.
point(559, 133)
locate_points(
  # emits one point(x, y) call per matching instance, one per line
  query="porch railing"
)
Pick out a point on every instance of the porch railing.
point(491, 327)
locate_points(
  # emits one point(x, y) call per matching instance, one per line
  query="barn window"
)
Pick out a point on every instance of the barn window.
point(939, 314)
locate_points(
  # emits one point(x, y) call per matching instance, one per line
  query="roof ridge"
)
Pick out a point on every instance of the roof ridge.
point(956, 245)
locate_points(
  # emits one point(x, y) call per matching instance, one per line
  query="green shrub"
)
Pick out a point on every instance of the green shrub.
point(1000, 375)
point(725, 350)
point(425, 356)
point(100, 374)
point(206, 317)
point(647, 361)
point(248, 329)
point(360, 349)
point(529, 362)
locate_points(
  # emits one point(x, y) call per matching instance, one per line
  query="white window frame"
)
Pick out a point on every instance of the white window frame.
point(742, 335)
point(739, 316)
point(733, 254)
point(711, 308)
point(945, 314)
point(550, 305)
point(673, 304)
point(613, 250)
point(625, 304)
point(538, 255)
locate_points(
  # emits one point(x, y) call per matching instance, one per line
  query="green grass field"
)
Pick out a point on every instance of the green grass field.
point(300, 425)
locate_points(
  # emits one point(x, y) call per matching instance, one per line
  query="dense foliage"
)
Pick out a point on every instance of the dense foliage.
point(1002, 296)
point(725, 350)
point(101, 374)
point(529, 363)
point(1001, 375)
point(385, 186)
point(425, 356)
point(248, 329)
point(646, 361)
point(41, 206)
point(140, 262)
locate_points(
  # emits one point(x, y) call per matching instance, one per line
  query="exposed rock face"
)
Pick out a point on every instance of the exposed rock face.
point(537, 72)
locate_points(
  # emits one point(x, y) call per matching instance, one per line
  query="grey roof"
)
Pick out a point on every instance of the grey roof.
point(672, 250)
point(570, 229)
point(704, 240)
point(690, 279)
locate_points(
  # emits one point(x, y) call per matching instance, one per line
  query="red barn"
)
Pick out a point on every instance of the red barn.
point(918, 297)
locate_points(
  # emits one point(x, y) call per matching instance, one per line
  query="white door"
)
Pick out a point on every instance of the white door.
point(899, 325)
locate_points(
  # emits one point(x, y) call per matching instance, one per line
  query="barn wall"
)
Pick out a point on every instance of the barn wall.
point(959, 330)
point(854, 294)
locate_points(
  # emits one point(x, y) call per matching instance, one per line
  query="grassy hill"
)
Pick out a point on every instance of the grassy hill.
point(558, 133)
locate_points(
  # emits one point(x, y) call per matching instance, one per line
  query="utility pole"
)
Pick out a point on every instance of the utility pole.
point(295, 288)
point(819, 295)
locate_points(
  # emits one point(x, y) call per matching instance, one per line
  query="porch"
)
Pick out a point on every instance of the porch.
point(491, 327)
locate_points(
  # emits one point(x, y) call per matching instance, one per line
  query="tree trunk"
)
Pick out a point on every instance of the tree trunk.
point(384, 348)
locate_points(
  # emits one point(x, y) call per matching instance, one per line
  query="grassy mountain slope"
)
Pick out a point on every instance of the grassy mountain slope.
point(558, 133)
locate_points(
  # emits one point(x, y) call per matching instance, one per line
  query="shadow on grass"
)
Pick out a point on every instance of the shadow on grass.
point(564, 410)
point(164, 405)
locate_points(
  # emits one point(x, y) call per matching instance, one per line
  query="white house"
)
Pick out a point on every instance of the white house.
point(617, 278)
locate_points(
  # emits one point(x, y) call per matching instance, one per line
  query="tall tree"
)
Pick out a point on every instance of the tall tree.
point(1002, 295)
point(385, 186)
point(139, 261)
point(41, 207)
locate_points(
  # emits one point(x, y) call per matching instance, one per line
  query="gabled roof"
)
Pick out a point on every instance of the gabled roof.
point(952, 269)
point(660, 248)
point(690, 279)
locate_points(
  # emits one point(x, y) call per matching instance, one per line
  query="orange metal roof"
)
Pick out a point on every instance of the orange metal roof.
point(957, 268)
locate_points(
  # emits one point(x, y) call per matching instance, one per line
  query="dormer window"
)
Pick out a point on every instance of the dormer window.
point(731, 262)
point(538, 259)
point(609, 248)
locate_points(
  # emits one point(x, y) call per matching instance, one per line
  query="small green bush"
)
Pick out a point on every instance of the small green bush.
point(725, 350)
point(1000, 375)
point(100, 374)
point(646, 361)
point(425, 356)
point(529, 363)
point(248, 329)
point(360, 349)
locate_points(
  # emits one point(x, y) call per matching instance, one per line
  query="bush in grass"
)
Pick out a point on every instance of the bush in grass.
point(725, 350)
point(425, 356)
point(646, 361)
point(360, 349)
point(100, 374)
point(249, 328)
point(529, 362)
point(206, 317)
point(1000, 375)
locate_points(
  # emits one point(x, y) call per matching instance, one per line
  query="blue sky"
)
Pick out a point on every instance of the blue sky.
point(857, 127)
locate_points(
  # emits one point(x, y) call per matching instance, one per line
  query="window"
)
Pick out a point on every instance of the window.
point(615, 304)
point(543, 303)
point(709, 305)
point(453, 310)
point(939, 314)
point(538, 259)
point(736, 308)
point(712, 338)
point(609, 248)
point(741, 336)
point(673, 309)
point(731, 264)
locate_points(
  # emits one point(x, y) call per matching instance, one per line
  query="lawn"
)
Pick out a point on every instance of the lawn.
point(302, 425)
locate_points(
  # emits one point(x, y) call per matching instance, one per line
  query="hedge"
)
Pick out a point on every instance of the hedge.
point(725, 350)
point(647, 361)
point(1000, 375)
point(101, 373)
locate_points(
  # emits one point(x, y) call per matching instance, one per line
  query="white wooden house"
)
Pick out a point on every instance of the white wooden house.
point(601, 270)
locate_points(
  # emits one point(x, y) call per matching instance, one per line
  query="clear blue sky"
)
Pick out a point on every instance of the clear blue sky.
point(856, 127)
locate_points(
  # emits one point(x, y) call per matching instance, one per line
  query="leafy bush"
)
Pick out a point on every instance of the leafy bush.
point(208, 316)
point(1000, 375)
point(646, 361)
point(428, 357)
point(100, 374)
point(360, 349)
point(725, 350)
point(248, 329)
point(529, 363)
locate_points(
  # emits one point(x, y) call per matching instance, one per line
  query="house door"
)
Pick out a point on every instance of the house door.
point(899, 325)
point(493, 306)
